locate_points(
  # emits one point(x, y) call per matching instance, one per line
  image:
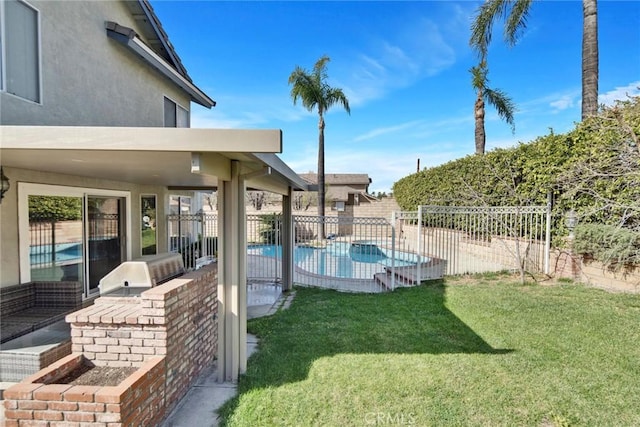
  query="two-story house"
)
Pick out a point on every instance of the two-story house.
point(95, 147)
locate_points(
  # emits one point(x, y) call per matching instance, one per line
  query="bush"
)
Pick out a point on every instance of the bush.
point(270, 230)
point(593, 169)
point(615, 247)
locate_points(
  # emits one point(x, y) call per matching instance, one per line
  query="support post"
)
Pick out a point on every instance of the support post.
point(232, 278)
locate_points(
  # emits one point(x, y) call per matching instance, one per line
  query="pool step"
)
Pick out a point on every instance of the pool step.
point(385, 279)
point(406, 276)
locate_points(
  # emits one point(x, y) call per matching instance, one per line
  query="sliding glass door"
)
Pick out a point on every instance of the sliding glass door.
point(71, 233)
point(56, 243)
point(105, 237)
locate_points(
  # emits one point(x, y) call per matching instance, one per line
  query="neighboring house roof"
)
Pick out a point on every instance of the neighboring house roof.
point(341, 193)
point(342, 184)
point(338, 178)
point(155, 48)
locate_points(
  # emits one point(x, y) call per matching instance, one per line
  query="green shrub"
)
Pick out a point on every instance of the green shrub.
point(270, 230)
point(615, 247)
point(593, 169)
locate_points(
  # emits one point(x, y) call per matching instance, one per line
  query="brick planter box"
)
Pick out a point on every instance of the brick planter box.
point(169, 333)
point(138, 400)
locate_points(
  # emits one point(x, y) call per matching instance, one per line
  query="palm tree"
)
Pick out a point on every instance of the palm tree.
point(315, 93)
point(515, 14)
point(589, 58)
point(494, 97)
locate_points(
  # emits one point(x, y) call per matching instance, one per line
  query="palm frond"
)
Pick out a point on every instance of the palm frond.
point(482, 24)
point(313, 90)
point(337, 96)
point(513, 12)
point(503, 105)
point(478, 77)
point(517, 21)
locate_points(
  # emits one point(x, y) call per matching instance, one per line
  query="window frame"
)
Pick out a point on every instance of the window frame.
point(26, 189)
point(178, 108)
point(3, 52)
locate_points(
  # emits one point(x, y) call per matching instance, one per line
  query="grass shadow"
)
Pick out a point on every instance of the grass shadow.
point(322, 323)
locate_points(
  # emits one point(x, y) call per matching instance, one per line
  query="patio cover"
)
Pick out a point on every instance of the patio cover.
point(229, 160)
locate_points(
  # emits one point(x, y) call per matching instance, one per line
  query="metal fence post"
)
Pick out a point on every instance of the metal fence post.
point(393, 250)
point(547, 237)
point(418, 264)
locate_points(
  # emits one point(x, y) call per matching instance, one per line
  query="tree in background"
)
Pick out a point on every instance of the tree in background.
point(257, 199)
point(494, 97)
point(515, 14)
point(314, 91)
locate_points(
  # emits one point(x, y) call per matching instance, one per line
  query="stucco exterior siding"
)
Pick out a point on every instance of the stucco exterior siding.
point(89, 79)
point(10, 237)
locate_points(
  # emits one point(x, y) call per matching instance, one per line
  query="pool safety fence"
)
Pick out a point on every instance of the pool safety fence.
point(378, 254)
point(479, 239)
point(194, 236)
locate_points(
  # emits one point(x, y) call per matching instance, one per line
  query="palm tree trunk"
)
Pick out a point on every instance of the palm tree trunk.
point(479, 132)
point(589, 58)
point(321, 186)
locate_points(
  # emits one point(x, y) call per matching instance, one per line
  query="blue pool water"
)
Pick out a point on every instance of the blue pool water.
point(64, 252)
point(360, 260)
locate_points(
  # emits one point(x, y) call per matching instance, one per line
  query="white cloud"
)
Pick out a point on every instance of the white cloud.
point(571, 98)
point(566, 101)
point(386, 130)
point(257, 110)
point(382, 168)
point(620, 93)
point(557, 101)
point(420, 48)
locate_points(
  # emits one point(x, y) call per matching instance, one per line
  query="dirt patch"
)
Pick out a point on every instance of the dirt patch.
point(89, 374)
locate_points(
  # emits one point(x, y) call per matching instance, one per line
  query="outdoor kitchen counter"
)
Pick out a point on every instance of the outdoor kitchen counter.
point(109, 310)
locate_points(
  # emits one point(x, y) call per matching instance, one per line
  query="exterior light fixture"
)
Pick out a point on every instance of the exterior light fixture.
point(4, 183)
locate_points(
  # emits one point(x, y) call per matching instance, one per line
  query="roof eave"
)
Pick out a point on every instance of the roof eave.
point(128, 38)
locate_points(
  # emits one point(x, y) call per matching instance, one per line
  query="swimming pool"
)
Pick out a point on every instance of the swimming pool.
point(61, 253)
point(353, 260)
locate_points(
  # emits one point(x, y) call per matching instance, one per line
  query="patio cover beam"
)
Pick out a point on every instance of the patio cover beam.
point(101, 138)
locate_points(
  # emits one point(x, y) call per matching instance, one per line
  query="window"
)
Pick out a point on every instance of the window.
point(148, 227)
point(21, 50)
point(175, 115)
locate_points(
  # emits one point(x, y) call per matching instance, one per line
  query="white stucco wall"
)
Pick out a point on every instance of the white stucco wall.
point(89, 79)
point(9, 233)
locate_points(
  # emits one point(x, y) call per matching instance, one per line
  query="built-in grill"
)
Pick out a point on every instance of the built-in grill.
point(133, 277)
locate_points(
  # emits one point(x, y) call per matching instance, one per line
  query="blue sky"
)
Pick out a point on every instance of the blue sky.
point(404, 68)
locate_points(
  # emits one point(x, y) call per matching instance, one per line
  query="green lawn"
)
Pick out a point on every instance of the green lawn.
point(482, 352)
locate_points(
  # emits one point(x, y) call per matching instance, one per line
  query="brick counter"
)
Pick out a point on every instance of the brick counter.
point(175, 323)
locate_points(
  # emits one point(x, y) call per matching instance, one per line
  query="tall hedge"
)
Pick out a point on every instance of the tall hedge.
point(594, 169)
